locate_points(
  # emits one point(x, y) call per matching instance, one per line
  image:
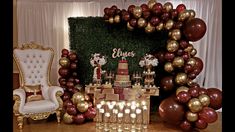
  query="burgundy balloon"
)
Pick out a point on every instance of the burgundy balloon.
point(71, 110)
point(161, 56)
point(196, 71)
point(180, 8)
point(111, 12)
point(75, 90)
point(201, 124)
point(106, 10)
point(157, 9)
point(144, 7)
point(106, 17)
point(66, 96)
point(72, 56)
point(194, 29)
point(167, 83)
point(67, 103)
point(75, 74)
point(194, 85)
point(118, 11)
point(188, 68)
point(183, 97)
point(155, 21)
point(192, 75)
point(184, 44)
point(71, 79)
point(114, 7)
point(65, 52)
point(126, 16)
point(174, 14)
point(165, 16)
point(133, 22)
point(70, 84)
point(194, 92)
point(171, 111)
point(180, 52)
point(198, 64)
point(185, 56)
point(208, 114)
point(146, 14)
point(215, 98)
point(186, 125)
point(178, 25)
point(79, 118)
point(90, 113)
point(63, 72)
point(169, 56)
point(73, 66)
point(202, 91)
point(131, 8)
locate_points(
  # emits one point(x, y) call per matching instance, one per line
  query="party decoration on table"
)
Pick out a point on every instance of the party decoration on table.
point(193, 107)
point(78, 107)
point(148, 62)
point(97, 61)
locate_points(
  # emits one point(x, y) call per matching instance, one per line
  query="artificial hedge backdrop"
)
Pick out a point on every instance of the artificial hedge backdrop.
point(89, 35)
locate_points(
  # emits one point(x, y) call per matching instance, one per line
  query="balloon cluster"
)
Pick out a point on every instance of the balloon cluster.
point(77, 106)
point(154, 16)
point(191, 106)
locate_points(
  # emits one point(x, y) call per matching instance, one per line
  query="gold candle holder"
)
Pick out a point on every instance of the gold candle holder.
point(120, 121)
point(127, 119)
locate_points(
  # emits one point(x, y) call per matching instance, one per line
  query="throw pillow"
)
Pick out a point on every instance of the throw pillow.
point(33, 93)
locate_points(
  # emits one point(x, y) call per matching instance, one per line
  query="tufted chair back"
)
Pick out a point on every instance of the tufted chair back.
point(34, 64)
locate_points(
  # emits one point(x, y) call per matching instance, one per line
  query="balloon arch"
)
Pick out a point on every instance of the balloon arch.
point(191, 106)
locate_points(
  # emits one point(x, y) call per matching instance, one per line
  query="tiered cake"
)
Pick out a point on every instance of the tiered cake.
point(122, 79)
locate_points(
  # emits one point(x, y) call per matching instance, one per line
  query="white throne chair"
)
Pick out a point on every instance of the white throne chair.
point(36, 98)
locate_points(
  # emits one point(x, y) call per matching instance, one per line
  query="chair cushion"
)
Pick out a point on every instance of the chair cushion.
point(39, 106)
point(33, 93)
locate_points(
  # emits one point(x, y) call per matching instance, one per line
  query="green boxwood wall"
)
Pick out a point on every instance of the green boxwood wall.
point(90, 35)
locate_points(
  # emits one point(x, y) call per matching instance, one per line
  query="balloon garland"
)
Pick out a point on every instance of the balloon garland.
point(77, 107)
point(191, 106)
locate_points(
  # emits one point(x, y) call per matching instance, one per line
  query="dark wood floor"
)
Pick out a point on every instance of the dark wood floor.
point(51, 125)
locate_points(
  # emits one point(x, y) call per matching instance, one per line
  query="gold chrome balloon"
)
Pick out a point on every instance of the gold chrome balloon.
point(149, 28)
point(172, 46)
point(204, 99)
point(192, 117)
point(82, 106)
point(183, 15)
point(141, 23)
point(151, 3)
point(168, 67)
point(189, 48)
point(169, 24)
point(77, 97)
point(67, 118)
point(191, 62)
point(117, 19)
point(178, 62)
point(192, 14)
point(111, 20)
point(168, 6)
point(175, 34)
point(181, 78)
point(195, 105)
point(160, 26)
point(137, 12)
point(181, 88)
point(193, 52)
point(129, 27)
point(64, 62)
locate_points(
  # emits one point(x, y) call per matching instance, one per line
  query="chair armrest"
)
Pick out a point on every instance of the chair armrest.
point(19, 98)
point(54, 94)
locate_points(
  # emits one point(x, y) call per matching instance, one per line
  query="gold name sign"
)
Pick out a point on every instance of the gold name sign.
point(117, 52)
